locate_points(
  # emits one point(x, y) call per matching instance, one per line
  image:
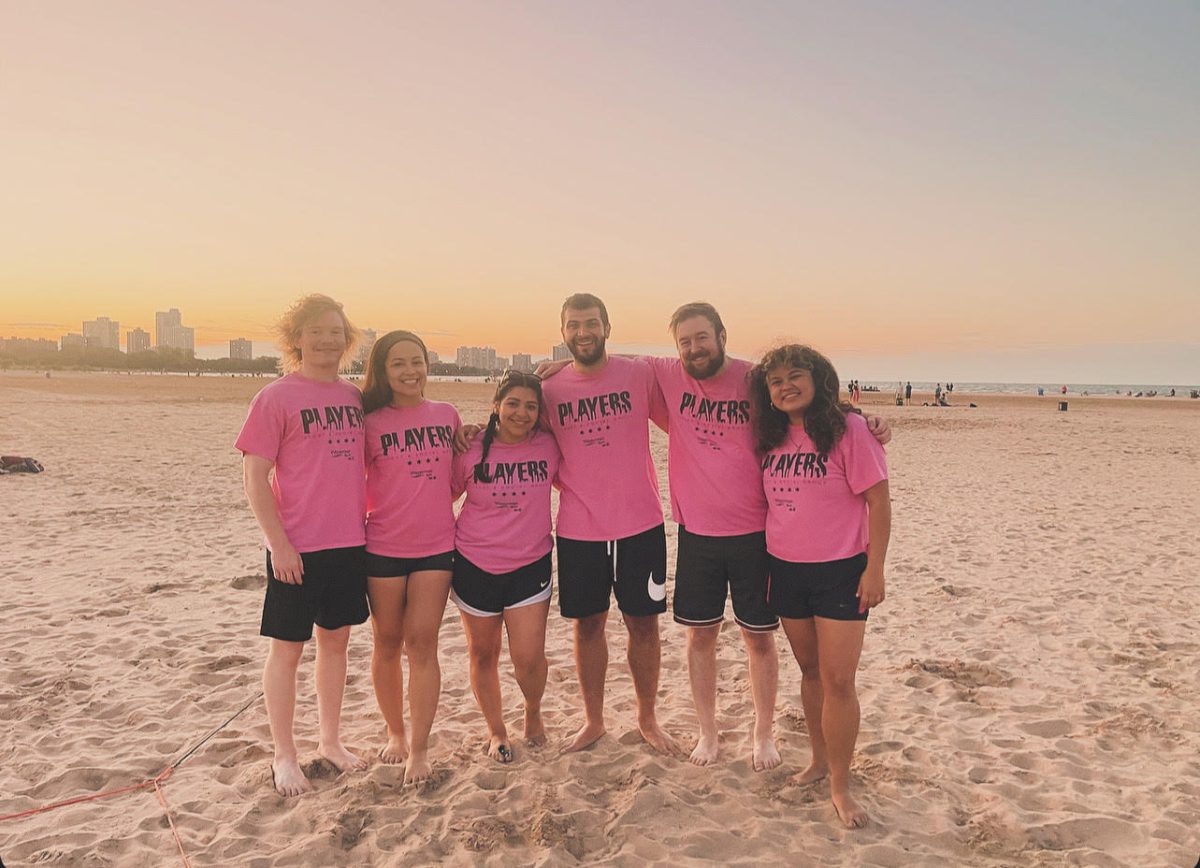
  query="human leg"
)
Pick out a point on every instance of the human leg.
point(387, 597)
point(641, 589)
point(645, 663)
point(526, 627)
point(332, 647)
point(749, 584)
point(702, 674)
point(591, 665)
point(483, 649)
point(802, 636)
point(425, 605)
point(279, 693)
point(840, 644)
point(763, 664)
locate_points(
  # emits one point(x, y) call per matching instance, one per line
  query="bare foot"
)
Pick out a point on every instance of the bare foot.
point(342, 759)
point(535, 730)
point(850, 812)
point(766, 755)
point(499, 750)
point(289, 780)
point(705, 751)
point(585, 738)
point(395, 751)
point(417, 769)
point(815, 772)
point(657, 738)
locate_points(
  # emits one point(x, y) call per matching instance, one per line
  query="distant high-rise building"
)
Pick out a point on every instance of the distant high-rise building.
point(102, 333)
point(434, 358)
point(241, 349)
point(362, 353)
point(169, 331)
point(137, 341)
point(72, 341)
point(483, 358)
point(501, 363)
point(522, 362)
point(560, 352)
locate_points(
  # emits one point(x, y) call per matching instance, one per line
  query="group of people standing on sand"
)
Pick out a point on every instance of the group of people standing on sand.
point(780, 494)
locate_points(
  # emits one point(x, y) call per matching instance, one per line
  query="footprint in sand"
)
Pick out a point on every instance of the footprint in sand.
point(486, 833)
point(964, 673)
point(255, 582)
point(350, 827)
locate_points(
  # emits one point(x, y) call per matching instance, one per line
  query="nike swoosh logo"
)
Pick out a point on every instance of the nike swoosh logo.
point(656, 590)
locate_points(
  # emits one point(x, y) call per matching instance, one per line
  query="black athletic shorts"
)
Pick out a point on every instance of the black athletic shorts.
point(635, 567)
point(707, 567)
point(384, 567)
point(478, 592)
point(332, 594)
point(826, 590)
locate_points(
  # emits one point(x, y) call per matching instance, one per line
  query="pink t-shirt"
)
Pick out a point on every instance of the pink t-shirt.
point(313, 433)
point(609, 489)
point(410, 457)
point(713, 466)
point(816, 508)
point(504, 523)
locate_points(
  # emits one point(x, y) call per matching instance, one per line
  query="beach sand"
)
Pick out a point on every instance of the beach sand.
point(1029, 689)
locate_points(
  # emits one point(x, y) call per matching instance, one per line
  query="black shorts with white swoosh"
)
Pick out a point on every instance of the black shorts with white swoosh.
point(481, 593)
point(635, 567)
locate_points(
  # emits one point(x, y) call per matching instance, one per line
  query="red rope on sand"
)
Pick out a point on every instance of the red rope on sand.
point(153, 782)
point(167, 810)
point(78, 799)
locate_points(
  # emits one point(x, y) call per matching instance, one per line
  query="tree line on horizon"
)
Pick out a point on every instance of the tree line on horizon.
point(170, 359)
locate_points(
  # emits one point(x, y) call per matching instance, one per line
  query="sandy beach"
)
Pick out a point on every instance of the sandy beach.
point(1029, 689)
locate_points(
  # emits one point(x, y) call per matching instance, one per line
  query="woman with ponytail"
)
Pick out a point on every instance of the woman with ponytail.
point(502, 561)
point(410, 539)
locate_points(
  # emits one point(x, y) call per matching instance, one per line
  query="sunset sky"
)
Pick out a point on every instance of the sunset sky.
point(1003, 191)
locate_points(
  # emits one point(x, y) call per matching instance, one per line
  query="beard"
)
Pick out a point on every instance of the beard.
point(590, 358)
point(704, 367)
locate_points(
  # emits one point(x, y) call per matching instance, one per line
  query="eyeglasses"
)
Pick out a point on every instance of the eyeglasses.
point(511, 374)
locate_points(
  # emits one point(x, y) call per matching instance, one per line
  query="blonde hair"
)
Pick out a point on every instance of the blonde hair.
point(290, 326)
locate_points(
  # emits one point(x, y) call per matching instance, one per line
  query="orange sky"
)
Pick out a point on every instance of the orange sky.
point(949, 181)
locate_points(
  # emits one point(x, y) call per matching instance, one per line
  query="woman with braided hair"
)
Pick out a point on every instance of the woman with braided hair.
point(502, 553)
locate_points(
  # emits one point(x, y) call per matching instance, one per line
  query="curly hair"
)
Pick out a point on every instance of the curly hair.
point(376, 390)
point(825, 418)
point(291, 325)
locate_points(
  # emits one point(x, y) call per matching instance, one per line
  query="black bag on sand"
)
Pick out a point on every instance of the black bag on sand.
point(18, 464)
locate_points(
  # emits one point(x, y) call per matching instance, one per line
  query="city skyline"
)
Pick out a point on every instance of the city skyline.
point(999, 192)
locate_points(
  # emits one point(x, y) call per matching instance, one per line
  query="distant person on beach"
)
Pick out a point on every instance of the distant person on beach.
point(503, 542)
point(717, 500)
point(828, 526)
point(302, 447)
point(937, 394)
point(410, 539)
point(908, 392)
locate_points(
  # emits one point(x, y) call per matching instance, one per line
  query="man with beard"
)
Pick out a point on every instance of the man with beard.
point(717, 499)
point(610, 533)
